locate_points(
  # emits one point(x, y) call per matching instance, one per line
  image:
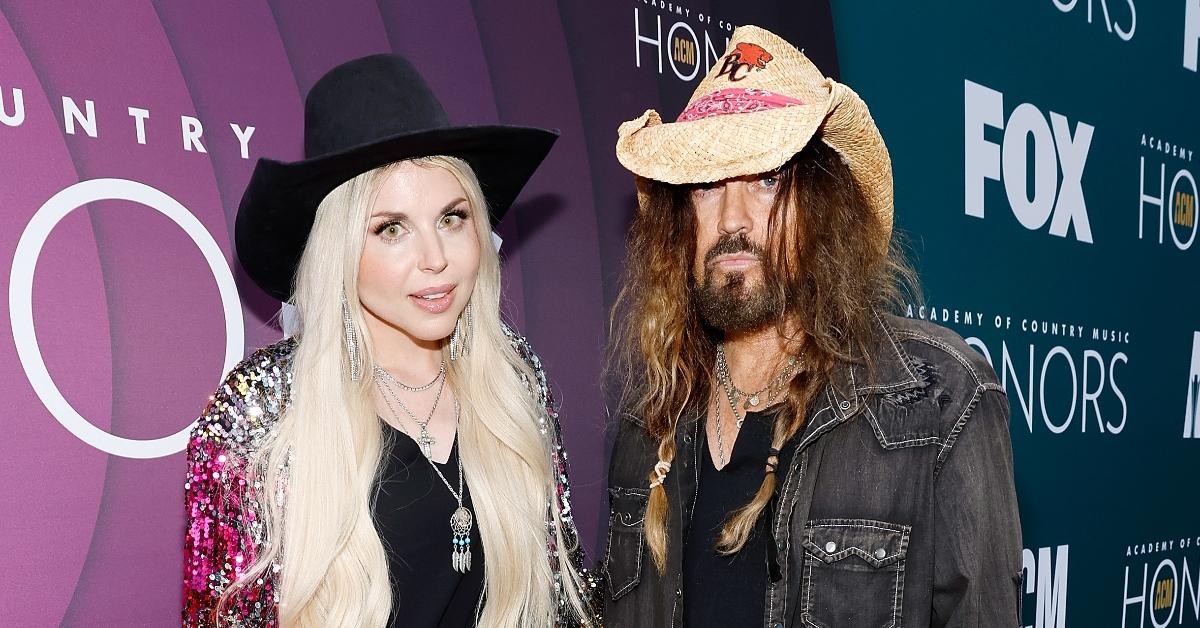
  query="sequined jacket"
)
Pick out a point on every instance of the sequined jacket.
point(224, 534)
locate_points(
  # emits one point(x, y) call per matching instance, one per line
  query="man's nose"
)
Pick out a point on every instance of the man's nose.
point(735, 202)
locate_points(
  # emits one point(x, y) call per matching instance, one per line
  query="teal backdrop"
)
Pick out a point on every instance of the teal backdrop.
point(1046, 180)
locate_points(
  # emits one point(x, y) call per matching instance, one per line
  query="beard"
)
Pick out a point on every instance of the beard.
point(731, 303)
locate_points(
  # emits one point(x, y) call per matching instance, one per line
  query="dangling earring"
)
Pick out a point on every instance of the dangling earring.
point(351, 342)
point(461, 335)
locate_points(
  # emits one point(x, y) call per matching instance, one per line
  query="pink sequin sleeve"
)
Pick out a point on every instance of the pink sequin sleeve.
point(223, 533)
point(551, 428)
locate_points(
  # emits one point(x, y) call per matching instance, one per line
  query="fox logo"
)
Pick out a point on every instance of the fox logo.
point(745, 56)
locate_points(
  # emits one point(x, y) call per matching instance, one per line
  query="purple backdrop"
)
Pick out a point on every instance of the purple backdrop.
point(127, 311)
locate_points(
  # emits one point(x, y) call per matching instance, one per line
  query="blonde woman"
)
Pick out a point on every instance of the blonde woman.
point(398, 460)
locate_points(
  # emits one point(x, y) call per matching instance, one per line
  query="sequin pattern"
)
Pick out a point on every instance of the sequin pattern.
point(551, 429)
point(224, 533)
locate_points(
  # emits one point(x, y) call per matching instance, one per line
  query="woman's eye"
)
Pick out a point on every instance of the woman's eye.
point(390, 230)
point(453, 219)
point(769, 181)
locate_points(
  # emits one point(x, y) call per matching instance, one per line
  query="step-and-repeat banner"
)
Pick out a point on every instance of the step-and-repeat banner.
point(127, 133)
point(1044, 174)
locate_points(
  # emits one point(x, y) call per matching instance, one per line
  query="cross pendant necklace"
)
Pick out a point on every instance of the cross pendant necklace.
point(425, 440)
point(462, 520)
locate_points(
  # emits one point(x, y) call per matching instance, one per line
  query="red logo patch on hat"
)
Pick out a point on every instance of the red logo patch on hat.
point(745, 55)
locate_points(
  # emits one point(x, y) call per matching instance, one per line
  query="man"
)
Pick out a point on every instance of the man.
point(790, 454)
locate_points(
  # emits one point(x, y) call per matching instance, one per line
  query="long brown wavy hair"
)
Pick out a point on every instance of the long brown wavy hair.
point(830, 273)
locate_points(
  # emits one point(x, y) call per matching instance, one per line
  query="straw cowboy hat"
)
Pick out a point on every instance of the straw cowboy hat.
point(361, 115)
point(758, 106)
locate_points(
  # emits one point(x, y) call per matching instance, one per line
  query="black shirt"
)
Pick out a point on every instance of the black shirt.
point(722, 591)
point(412, 512)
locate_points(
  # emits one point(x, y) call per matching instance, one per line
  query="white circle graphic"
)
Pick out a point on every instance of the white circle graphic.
point(20, 303)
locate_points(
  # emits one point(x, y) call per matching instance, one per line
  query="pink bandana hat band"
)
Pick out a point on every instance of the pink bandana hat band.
point(736, 100)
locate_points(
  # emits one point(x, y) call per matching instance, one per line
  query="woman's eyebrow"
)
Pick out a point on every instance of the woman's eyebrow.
point(452, 204)
point(401, 216)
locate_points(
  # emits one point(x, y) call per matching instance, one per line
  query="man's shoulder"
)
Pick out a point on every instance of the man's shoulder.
point(943, 349)
point(955, 374)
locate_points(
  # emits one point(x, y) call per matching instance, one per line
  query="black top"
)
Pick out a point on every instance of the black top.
point(412, 512)
point(729, 590)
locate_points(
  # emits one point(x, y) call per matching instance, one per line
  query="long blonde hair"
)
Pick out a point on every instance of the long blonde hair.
point(328, 449)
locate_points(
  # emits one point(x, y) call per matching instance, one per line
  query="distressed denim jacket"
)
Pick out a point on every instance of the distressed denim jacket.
point(898, 507)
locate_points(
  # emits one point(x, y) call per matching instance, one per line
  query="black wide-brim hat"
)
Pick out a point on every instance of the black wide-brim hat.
point(361, 115)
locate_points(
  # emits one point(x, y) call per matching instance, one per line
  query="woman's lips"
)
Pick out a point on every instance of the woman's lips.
point(434, 300)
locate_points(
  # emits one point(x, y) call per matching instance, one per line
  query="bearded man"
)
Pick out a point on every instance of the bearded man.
point(789, 453)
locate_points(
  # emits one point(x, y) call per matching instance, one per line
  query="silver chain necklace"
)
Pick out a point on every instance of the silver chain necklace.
point(392, 378)
point(752, 398)
point(720, 441)
point(424, 439)
point(462, 519)
point(733, 393)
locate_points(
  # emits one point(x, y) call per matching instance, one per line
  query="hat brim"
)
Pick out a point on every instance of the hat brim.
point(719, 147)
point(280, 203)
point(734, 145)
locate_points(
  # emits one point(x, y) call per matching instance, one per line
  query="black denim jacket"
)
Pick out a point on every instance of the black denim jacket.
point(898, 508)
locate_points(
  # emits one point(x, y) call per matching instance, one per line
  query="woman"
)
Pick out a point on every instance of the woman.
point(398, 460)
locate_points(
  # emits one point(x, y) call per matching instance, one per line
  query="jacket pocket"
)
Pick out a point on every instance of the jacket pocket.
point(626, 539)
point(853, 573)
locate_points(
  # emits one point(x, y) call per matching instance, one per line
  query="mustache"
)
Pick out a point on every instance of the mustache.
point(731, 245)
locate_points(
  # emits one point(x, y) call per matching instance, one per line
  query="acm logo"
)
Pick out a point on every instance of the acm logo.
point(1046, 579)
point(1055, 149)
point(1170, 594)
point(1176, 203)
point(686, 51)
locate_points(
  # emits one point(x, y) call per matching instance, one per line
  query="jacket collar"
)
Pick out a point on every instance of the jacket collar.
point(850, 383)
